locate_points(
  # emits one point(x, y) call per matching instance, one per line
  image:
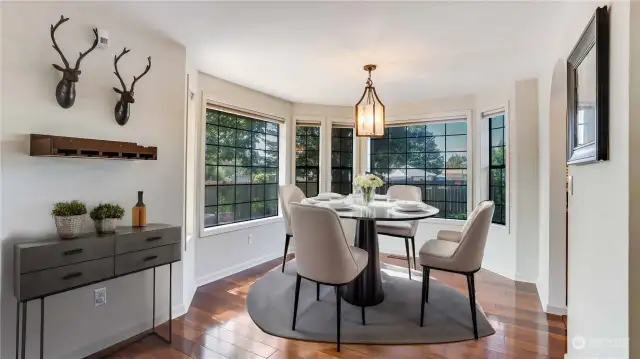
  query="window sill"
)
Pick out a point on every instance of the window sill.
point(233, 227)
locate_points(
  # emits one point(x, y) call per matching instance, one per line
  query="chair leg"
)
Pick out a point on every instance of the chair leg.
point(363, 322)
point(425, 280)
point(425, 276)
point(406, 246)
point(286, 249)
point(472, 302)
point(317, 292)
point(413, 248)
point(295, 303)
point(339, 315)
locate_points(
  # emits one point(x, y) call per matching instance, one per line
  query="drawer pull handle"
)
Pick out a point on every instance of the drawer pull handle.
point(73, 251)
point(151, 239)
point(72, 275)
point(149, 258)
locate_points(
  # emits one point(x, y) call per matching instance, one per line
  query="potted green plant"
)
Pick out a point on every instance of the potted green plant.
point(69, 217)
point(105, 215)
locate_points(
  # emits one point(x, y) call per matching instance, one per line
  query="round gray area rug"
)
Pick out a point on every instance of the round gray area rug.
point(394, 321)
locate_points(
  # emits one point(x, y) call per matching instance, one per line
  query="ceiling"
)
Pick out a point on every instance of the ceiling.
point(313, 52)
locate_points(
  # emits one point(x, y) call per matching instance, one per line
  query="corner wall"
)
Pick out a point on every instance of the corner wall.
point(30, 185)
point(220, 255)
point(598, 209)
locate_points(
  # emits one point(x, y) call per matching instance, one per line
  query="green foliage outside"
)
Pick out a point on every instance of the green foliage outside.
point(243, 153)
point(107, 210)
point(66, 209)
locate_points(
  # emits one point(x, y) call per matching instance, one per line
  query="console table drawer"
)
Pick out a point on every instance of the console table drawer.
point(148, 238)
point(37, 284)
point(63, 253)
point(131, 262)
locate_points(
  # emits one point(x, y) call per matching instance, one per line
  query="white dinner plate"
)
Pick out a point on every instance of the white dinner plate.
point(413, 210)
point(329, 195)
point(337, 205)
point(409, 205)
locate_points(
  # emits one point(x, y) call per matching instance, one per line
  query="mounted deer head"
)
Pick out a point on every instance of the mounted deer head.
point(66, 89)
point(122, 109)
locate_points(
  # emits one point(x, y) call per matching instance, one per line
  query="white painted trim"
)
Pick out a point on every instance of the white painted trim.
point(520, 278)
point(200, 170)
point(439, 117)
point(484, 159)
point(233, 227)
point(211, 277)
point(324, 160)
point(556, 310)
point(428, 117)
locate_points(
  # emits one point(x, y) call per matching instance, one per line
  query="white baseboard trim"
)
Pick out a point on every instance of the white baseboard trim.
point(520, 278)
point(208, 278)
point(177, 310)
point(556, 310)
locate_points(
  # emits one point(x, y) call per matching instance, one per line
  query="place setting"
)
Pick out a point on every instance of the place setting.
point(335, 201)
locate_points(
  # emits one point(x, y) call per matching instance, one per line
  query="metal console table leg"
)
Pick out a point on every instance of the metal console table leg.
point(41, 327)
point(153, 322)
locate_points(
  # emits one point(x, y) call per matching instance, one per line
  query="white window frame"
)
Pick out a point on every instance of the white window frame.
point(342, 122)
point(434, 118)
point(283, 136)
point(320, 122)
point(485, 159)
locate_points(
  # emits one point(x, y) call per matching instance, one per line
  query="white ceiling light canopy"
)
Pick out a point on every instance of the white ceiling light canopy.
point(369, 110)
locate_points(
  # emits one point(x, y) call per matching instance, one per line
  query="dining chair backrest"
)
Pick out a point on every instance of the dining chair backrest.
point(289, 193)
point(474, 237)
point(406, 193)
point(322, 252)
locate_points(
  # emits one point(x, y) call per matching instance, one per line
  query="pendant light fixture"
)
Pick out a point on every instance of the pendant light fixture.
point(369, 110)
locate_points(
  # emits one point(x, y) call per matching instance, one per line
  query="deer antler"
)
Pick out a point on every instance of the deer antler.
point(116, 58)
point(135, 79)
point(83, 54)
point(53, 38)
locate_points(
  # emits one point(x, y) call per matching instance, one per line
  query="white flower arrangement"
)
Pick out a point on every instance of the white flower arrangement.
point(368, 181)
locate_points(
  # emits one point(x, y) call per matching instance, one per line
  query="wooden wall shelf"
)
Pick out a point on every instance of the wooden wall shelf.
point(58, 146)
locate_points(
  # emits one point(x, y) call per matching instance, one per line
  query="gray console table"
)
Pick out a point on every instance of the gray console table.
point(48, 267)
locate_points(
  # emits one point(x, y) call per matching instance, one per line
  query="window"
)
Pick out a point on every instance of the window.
point(241, 168)
point(497, 168)
point(431, 156)
point(308, 159)
point(341, 160)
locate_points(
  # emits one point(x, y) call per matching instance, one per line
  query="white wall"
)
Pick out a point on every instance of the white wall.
point(30, 185)
point(524, 173)
point(634, 179)
point(223, 254)
point(598, 220)
point(551, 280)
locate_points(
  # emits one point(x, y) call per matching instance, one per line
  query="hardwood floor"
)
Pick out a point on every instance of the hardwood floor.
point(217, 326)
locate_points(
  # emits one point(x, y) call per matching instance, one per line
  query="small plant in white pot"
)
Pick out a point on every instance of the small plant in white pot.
point(105, 215)
point(69, 217)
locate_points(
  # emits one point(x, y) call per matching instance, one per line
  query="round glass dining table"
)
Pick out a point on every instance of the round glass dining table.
point(366, 290)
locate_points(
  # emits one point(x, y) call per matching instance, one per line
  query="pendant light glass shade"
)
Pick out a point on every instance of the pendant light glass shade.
point(369, 111)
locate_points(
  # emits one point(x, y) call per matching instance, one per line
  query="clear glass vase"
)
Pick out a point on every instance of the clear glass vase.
point(368, 195)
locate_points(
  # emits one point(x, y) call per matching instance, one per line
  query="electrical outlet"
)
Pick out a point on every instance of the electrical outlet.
point(250, 238)
point(100, 296)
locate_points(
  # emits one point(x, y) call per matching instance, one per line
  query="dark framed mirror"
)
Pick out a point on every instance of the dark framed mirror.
point(588, 93)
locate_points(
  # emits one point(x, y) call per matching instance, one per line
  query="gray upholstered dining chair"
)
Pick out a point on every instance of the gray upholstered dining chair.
point(405, 229)
point(322, 253)
point(463, 256)
point(289, 193)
